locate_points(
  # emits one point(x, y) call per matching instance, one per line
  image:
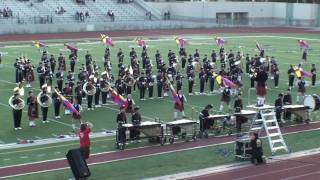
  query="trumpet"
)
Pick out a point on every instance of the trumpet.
point(89, 89)
point(18, 106)
point(44, 100)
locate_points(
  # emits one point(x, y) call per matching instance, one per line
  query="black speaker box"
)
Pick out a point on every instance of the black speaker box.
point(78, 164)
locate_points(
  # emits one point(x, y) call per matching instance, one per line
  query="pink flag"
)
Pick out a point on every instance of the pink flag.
point(305, 74)
point(141, 42)
point(303, 44)
point(228, 83)
point(68, 105)
point(219, 41)
point(118, 99)
point(181, 42)
point(71, 48)
point(107, 40)
point(175, 96)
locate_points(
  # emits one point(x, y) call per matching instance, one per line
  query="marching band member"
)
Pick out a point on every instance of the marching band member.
point(206, 122)
point(41, 73)
point(103, 84)
point(287, 100)
point(33, 112)
point(279, 104)
point(291, 74)
point(213, 56)
point(314, 75)
point(78, 92)
point(304, 55)
point(136, 120)
point(67, 92)
point(256, 149)
point(179, 108)
point(97, 94)
point(120, 56)
point(179, 81)
point(121, 119)
point(29, 74)
point(70, 79)
point(144, 56)
point(59, 76)
point(159, 83)
point(19, 74)
point(131, 103)
point(238, 106)
point(211, 80)
point(53, 62)
point(89, 87)
point(276, 75)
point(261, 86)
point(301, 89)
point(142, 86)
point(133, 53)
point(73, 60)
point(225, 98)
point(247, 63)
point(75, 116)
point(17, 112)
point(191, 76)
point(150, 83)
point(61, 63)
point(183, 57)
point(56, 103)
point(44, 103)
point(202, 77)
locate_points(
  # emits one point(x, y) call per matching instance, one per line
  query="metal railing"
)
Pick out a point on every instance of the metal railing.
point(65, 19)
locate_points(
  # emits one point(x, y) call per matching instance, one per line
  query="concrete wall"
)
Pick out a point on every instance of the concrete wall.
point(255, 9)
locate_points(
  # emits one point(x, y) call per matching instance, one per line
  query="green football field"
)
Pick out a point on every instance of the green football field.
point(283, 46)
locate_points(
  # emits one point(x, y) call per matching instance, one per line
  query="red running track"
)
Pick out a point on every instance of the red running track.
point(302, 168)
point(134, 153)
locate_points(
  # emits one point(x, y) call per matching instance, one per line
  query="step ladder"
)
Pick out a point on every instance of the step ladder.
point(269, 123)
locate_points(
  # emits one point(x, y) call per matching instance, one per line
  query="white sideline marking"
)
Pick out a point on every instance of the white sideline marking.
point(170, 39)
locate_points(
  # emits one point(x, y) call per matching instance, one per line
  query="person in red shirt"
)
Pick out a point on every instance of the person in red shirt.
point(84, 138)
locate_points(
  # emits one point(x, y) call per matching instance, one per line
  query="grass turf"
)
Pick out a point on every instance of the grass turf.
point(188, 160)
point(284, 49)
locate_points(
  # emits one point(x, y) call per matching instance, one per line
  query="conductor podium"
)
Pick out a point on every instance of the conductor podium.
point(78, 164)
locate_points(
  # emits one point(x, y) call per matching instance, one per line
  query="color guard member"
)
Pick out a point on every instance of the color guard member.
point(33, 112)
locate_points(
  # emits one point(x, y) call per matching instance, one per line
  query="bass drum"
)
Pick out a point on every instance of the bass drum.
point(312, 102)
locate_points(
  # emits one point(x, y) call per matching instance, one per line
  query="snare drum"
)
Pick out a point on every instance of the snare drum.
point(312, 101)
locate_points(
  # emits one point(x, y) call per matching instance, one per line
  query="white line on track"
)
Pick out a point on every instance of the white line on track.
point(301, 176)
point(135, 157)
point(273, 172)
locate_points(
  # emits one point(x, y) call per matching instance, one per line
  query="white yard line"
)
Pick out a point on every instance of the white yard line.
point(168, 39)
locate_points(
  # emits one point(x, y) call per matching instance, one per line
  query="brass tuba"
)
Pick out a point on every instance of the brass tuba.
point(89, 88)
point(104, 85)
point(21, 103)
point(48, 100)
